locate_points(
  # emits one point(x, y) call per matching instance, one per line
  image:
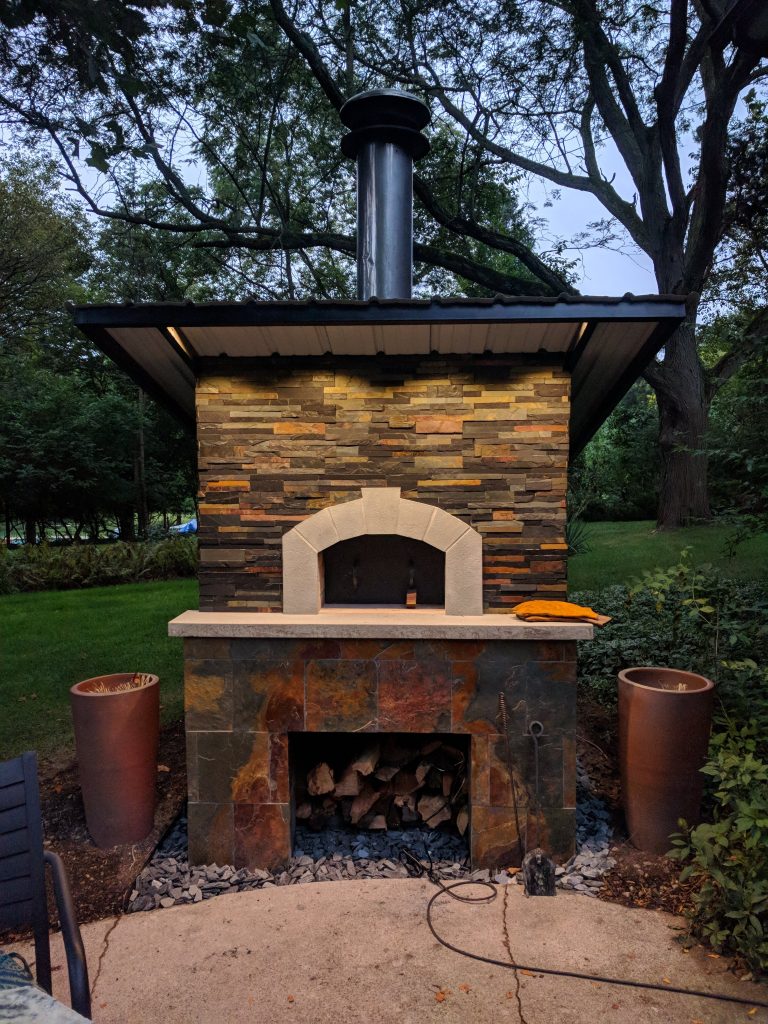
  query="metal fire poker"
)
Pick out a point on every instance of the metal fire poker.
point(538, 867)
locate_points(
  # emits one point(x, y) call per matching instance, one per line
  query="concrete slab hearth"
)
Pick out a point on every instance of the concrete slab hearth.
point(360, 952)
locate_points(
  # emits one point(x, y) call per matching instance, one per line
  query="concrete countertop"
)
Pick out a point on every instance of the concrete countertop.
point(367, 623)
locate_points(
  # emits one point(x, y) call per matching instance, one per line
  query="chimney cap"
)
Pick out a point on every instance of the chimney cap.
point(385, 115)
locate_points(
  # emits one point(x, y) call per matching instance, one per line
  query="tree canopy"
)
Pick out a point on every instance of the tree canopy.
point(231, 110)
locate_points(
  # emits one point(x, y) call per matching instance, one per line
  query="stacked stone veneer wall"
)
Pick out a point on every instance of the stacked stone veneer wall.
point(485, 439)
point(244, 698)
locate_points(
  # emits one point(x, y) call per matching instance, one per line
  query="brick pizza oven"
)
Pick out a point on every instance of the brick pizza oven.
point(381, 481)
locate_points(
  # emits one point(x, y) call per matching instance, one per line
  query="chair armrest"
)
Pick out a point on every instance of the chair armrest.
point(77, 967)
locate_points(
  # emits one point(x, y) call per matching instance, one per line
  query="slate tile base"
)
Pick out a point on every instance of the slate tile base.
point(244, 697)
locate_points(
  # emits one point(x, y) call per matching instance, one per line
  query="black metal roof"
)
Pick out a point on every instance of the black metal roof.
point(605, 341)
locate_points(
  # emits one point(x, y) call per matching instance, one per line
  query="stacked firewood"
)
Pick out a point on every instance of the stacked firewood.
point(388, 783)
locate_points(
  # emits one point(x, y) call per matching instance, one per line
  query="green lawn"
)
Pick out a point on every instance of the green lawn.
point(620, 552)
point(53, 639)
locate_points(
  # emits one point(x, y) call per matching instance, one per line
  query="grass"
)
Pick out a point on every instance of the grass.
point(620, 552)
point(54, 639)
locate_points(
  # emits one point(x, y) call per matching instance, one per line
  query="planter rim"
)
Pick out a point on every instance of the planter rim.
point(77, 692)
point(708, 684)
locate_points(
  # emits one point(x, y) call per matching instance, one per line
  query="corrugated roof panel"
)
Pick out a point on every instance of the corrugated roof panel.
point(345, 339)
point(211, 342)
point(470, 339)
point(608, 343)
point(406, 339)
point(152, 351)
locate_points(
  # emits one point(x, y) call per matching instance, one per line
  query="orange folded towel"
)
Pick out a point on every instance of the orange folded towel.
point(554, 610)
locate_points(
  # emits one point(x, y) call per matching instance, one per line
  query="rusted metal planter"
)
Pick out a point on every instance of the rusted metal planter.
point(665, 716)
point(116, 735)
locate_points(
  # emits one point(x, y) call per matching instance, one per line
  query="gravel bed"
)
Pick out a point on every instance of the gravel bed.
point(584, 872)
point(328, 856)
point(336, 854)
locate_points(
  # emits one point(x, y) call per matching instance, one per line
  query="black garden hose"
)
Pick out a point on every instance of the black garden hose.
point(416, 869)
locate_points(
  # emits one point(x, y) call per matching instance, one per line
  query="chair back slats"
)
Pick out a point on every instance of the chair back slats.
point(17, 890)
point(12, 796)
point(23, 899)
point(16, 915)
point(19, 865)
point(11, 772)
point(12, 820)
point(18, 841)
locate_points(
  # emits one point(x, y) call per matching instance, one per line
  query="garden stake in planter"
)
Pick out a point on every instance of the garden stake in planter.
point(117, 725)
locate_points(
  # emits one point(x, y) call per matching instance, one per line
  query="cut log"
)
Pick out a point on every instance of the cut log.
point(348, 784)
point(404, 782)
point(422, 770)
point(362, 803)
point(462, 820)
point(433, 810)
point(379, 822)
point(447, 783)
point(320, 780)
point(367, 760)
point(430, 747)
point(386, 772)
point(304, 811)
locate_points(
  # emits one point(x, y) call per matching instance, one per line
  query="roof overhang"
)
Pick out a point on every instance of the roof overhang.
point(604, 342)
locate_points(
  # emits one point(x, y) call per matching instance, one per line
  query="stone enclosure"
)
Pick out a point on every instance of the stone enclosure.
point(244, 697)
point(482, 438)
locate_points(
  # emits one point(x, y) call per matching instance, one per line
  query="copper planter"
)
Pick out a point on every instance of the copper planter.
point(116, 735)
point(665, 716)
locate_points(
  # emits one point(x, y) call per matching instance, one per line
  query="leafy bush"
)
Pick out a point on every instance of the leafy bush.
point(695, 619)
point(727, 857)
point(43, 567)
point(684, 617)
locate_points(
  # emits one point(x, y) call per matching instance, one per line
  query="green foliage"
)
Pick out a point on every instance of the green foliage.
point(616, 477)
point(577, 536)
point(727, 857)
point(71, 566)
point(692, 618)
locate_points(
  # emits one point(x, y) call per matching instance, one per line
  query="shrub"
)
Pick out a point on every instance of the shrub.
point(727, 857)
point(692, 618)
point(685, 617)
point(44, 567)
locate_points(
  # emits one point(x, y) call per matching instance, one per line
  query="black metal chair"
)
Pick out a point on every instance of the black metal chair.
point(23, 900)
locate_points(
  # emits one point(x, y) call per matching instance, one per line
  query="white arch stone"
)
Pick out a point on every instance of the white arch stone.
point(381, 510)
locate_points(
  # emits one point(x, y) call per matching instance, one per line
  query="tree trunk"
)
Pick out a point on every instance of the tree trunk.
point(30, 531)
point(126, 524)
point(140, 474)
point(680, 386)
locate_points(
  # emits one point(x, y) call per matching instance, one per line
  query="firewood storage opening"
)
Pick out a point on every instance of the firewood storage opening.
point(374, 782)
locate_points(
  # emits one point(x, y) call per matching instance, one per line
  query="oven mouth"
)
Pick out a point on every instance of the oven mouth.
point(384, 571)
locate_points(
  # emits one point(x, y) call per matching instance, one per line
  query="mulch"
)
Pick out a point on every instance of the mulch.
point(101, 880)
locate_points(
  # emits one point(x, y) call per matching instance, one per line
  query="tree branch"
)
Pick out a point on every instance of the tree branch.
point(755, 336)
point(474, 271)
point(494, 239)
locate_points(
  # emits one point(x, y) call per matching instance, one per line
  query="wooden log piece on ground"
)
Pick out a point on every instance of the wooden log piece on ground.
point(433, 810)
point(348, 784)
point(366, 762)
point(320, 780)
point(363, 803)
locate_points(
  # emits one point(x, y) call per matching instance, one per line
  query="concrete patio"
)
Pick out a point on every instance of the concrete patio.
point(361, 952)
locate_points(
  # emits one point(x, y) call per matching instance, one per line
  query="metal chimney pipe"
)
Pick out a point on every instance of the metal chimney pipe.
point(385, 138)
